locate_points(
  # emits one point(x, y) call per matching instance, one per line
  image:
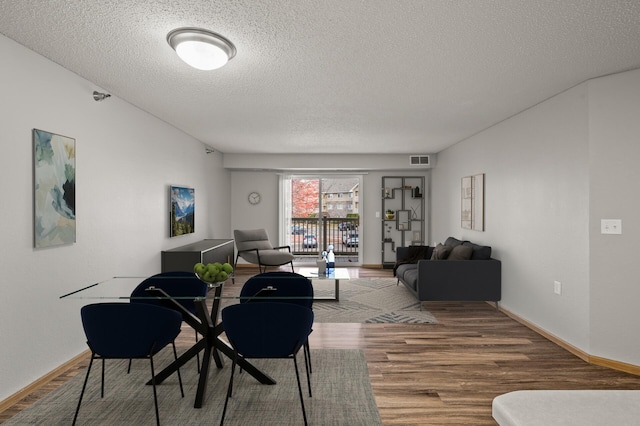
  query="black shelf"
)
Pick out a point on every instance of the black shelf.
point(403, 195)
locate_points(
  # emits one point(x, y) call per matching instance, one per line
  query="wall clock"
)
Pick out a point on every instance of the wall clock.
point(254, 198)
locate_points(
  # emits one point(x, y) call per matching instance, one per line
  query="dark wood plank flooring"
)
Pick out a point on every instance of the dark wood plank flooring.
point(439, 374)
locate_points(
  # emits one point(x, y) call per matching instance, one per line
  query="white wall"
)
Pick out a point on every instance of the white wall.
point(552, 172)
point(614, 141)
point(126, 159)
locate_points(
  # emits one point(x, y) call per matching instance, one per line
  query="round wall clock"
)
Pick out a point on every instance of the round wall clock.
point(254, 198)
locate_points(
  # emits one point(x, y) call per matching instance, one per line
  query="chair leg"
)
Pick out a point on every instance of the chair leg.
point(84, 386)
point(102, 385)
point(304, 413)
point(155, 395)
point(307, 368)
point(235, 268)
point(129, 367)
point(229, 389)
point(308, 353)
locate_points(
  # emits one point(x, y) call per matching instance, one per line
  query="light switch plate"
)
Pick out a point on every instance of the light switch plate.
point(611, 226)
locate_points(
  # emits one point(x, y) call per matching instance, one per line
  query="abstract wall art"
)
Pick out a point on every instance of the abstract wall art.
point(54, 183)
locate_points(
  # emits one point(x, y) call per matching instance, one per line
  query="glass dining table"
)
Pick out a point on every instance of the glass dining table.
point(205, 322)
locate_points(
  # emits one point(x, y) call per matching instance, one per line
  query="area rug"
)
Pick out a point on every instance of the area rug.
point(369, 300)
point(342, 395)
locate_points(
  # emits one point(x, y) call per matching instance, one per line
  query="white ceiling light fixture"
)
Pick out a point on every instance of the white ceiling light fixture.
point(201, 49)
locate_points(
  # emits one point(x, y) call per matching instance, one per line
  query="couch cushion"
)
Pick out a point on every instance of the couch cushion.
point(411, 278)
point(461, 252)
point(441, 252)
point(401, 270)
point(479, 252)
point(452, 242)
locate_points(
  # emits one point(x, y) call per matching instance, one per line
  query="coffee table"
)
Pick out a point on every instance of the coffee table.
point(336, 274)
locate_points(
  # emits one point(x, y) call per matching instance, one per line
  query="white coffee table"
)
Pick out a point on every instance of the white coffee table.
point(337, 274)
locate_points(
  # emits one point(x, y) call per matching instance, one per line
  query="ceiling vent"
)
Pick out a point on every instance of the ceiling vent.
point(419, 160)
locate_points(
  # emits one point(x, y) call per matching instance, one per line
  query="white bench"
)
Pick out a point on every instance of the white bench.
point(567, 407)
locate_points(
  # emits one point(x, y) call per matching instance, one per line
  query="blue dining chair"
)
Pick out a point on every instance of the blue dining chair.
point(266, 330)
point(126, 331)
point(184, 286)
point(285, 287)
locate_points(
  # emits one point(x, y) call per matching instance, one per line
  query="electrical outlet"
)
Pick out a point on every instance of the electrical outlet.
point(557, 287)
point(611, 226)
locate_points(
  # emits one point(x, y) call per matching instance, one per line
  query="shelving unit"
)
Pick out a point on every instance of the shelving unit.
point(405, 196)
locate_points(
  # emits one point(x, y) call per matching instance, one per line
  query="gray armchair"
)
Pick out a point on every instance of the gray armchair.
point(254, 246)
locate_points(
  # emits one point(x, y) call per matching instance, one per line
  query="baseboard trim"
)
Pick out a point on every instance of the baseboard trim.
point(371, 266)
point(591, 359)
point(22, 393)
point(616, 365)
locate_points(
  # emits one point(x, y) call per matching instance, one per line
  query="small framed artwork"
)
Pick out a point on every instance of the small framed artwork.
point(478, 203)
point(465, 210)
point(472, 202)
point(182, 213)
point(54, 189)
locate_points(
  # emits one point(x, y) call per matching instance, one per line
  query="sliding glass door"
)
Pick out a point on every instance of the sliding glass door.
point(318, 211)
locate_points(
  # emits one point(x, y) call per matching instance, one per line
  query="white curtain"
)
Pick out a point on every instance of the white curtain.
point(284, 210)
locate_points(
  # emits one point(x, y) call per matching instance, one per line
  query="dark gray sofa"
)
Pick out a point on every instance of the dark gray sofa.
point(443, 277)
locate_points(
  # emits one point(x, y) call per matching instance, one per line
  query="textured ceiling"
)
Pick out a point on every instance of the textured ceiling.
point(335, 76)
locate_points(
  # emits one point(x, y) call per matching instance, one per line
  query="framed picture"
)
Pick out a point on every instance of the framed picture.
point(472, 204)
point(477, 193)
point(465, 210)
point(182, 213)
point(54, 189)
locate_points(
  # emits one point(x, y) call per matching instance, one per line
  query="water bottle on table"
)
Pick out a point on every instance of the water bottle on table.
point(331, 260)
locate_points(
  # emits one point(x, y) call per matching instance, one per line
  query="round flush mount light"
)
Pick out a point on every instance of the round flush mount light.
point(201, 49)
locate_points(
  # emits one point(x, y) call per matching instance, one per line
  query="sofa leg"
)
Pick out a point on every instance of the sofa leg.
point(497, 306)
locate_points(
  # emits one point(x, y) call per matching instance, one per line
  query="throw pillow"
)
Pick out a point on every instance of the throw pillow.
point(452, 242)
point(441, 252)
point(479, 252)
point(461, 253)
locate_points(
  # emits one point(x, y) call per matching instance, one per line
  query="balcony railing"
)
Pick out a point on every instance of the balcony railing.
point(341, 232)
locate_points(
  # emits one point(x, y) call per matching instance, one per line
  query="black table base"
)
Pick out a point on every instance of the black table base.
point(211, 344)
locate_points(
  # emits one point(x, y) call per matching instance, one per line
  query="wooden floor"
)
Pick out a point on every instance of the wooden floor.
point(445, 373)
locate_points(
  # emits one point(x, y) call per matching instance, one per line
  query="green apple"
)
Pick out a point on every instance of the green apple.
point(227, 268)
point(208, 277)
point(222, 276)
point(200, 269)
point(218, 265)
point(212, 269)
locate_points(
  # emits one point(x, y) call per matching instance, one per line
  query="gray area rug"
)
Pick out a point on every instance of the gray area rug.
point(369, 300)
point(342, 395)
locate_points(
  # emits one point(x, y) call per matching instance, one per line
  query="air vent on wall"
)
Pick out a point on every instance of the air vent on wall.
point(419, 160)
